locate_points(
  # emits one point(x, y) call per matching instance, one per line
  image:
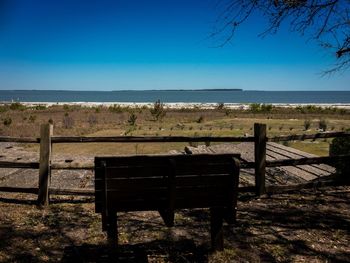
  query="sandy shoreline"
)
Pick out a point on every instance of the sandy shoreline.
point(181, 105)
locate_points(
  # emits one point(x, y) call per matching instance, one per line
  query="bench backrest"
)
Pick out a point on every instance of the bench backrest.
point(153, 182)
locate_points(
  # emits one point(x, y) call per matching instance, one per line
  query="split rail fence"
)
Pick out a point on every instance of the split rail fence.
point(260, 140)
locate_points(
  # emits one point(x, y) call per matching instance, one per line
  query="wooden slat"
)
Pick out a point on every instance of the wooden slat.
point(46, 131)
point(12, 189)
point(19, 139)
point(300, 154)
point(23, 165)
point(149, 139)
point(278, 153)
point(301, 137)
point(308, 160)
point(260, 157)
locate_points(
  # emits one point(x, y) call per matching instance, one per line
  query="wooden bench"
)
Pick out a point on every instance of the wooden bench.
point(164, 183)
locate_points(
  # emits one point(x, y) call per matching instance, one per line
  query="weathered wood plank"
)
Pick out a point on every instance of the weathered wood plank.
point(23, 165)
point(301, 137)
point(299, 153)
point(149, 139)
point(284, 154)
point(307, 160)
point(19, 139)
point(46, 131)
point(260, 157)
point(13, 189)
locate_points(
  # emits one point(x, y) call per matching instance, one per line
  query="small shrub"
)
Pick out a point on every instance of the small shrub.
point(266, 107)
point(115, 108)
point(40, 107)
point(92, 120)
point(220, 106)
point(158, 111)
point(200, 119)
point(17, 106)
point(322, 125)
point(7, 121)
point(340, 146)
point(132, 119)
point(32, 118)
point(307, 125)
point(68, 121)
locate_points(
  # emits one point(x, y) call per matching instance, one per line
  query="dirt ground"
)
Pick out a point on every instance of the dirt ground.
point(308, 226)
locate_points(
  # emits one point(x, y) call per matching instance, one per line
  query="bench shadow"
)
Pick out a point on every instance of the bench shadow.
point(179, 251)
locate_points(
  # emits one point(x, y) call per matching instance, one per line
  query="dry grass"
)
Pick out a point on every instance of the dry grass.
point(176, 122)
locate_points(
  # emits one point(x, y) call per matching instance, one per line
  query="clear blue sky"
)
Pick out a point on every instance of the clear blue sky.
point(153, 44)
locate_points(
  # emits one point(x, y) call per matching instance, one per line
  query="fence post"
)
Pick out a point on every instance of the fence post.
point(260, 157)
point(46, 131)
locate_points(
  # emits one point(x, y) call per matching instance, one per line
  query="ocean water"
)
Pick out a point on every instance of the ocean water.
point(285, 97)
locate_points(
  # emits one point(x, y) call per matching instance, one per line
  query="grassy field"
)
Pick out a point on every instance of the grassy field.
point(18, 120)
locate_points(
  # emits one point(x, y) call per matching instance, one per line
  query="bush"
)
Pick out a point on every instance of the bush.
point(254, 107)
point(68, 121)
point(7, 121)
point(307, 125)
point(340, 146)
point(257, 107)
point(17, 106)
point(32, 118)
point(132, 119)
point(92, 120)
point(220, 106)
point(158, 111)
point(200, 119)
point(322, 125)
point(39, 107)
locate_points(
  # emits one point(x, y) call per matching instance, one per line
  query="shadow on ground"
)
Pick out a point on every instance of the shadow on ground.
point(308, 226)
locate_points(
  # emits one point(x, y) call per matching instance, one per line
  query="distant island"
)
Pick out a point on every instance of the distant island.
point(186, 90)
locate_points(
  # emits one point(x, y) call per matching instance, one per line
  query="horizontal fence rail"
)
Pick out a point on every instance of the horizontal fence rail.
point(308, 160)
point(302, 137)
point(19, 139)
point(149, 139)
point(28, 165)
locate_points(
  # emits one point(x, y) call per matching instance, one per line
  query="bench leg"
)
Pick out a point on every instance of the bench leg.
point(216, 231)
point(112, 230)
point(167, 216)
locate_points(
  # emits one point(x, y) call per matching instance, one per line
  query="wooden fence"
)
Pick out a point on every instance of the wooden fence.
point(260, 140)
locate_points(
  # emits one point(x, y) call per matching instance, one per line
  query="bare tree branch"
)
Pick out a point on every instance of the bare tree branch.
point(324, 21)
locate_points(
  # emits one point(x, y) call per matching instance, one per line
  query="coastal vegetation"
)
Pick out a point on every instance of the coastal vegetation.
point(157, 120)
